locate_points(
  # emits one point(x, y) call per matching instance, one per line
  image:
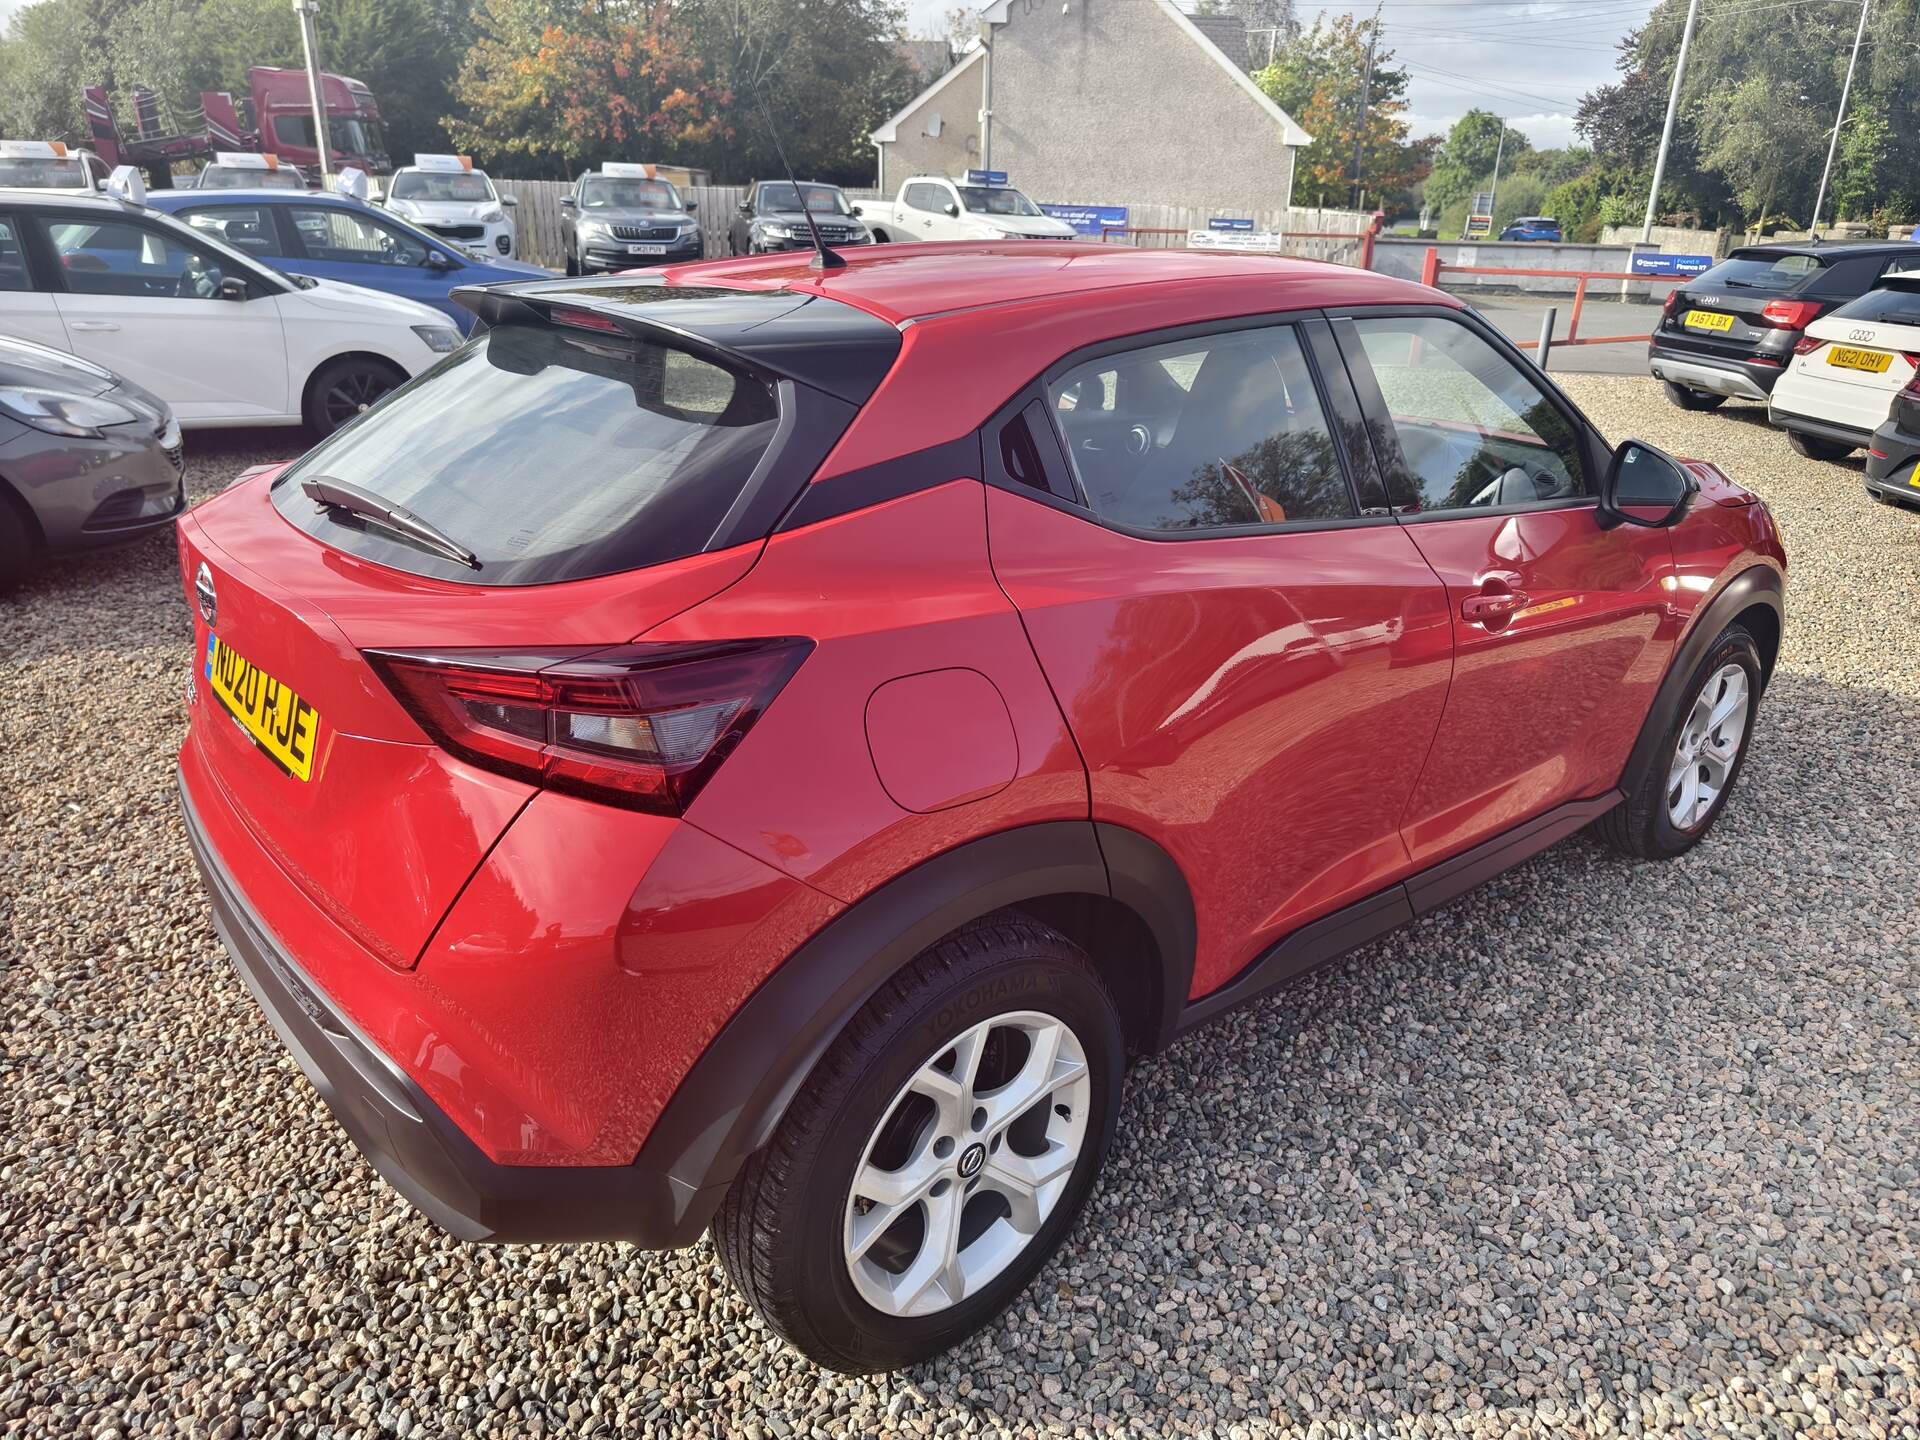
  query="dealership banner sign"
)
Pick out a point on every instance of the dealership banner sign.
point(1249, 239)
point(1672, 264)
point(1092, 220)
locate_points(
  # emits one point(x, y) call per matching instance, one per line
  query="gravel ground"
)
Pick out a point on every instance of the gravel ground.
point(1602, 1148)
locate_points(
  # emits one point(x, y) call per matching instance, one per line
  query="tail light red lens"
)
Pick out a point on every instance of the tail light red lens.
point(644, 726)
point(1790, 314)
point(1673, 299)
point(1806, 345)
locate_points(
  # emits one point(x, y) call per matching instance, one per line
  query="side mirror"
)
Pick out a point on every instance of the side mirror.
point(1644, 486)
point(855, 209)
point(953, 209)
point(233, 288)
point(689, 204)
point(440, 260)
point(745, 207)
point(567, 202)
point(510, 201)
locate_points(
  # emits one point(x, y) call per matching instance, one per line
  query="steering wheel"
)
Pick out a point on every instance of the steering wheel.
point(197, 282)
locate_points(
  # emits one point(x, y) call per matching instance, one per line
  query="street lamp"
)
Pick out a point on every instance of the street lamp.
point(306, 10)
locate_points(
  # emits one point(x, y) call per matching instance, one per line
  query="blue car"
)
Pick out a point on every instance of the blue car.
point(334, 237)
point(1533, 227)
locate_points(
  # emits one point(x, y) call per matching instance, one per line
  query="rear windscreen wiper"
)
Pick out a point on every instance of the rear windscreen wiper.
point(331, 494)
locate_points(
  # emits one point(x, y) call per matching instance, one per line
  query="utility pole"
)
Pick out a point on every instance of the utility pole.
point(1493, 195)
point(986, 95)
point(1666, 131)
point(1819, 199)
point(1366, 95)
point(306, 9)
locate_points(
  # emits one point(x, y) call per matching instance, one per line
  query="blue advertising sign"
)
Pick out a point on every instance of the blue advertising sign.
point(1230, 224)
point(1672, 264)
point(986, 177)
point(1091, 220)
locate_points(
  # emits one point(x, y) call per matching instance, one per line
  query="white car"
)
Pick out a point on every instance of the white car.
point(445, 194)
point(1839, 386)
point(221, 338)
point(981, 206)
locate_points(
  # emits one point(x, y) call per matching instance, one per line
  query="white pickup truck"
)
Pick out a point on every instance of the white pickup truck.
point(934, 207)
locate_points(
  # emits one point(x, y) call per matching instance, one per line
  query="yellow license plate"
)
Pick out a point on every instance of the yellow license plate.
point(1874, 362)
point(279, 721)
point(1707, 320)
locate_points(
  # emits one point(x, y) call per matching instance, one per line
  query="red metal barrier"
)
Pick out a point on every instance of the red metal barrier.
point(1431, 268)
point(1365, 237)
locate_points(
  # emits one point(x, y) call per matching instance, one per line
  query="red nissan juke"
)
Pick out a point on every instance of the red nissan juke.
point(755, 748)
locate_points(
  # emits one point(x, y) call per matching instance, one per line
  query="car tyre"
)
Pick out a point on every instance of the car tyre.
point(790, 1231)
point(573, 264)
point(1674, 800)
point(342, 388)
point(1688, 399)
point(1815, 448)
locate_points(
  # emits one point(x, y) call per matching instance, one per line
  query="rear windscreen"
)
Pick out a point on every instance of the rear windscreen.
point(1759, 272)
point(1893, 306)
point(547, 454)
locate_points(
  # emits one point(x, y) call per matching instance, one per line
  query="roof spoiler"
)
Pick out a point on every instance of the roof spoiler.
point(811, 339)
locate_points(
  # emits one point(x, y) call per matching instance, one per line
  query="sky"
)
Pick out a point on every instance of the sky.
point(1530, 60)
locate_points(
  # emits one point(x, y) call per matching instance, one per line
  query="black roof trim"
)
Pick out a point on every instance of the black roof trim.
point(810, 339)
point(1830, 249)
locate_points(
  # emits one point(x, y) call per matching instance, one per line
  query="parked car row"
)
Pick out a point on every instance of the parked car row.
point(1827, 335)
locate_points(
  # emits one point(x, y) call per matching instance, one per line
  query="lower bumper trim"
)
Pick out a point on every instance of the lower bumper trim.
point(1714, 379)
point(414, 1145)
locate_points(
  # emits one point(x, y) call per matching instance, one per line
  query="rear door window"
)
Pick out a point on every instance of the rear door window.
point(551, 456)
point(1204, 433)
point(13, 259)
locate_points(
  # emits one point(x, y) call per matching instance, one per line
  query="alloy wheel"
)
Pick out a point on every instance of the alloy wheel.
point(352, 392)
point(967, 1163)
point(1709, 745)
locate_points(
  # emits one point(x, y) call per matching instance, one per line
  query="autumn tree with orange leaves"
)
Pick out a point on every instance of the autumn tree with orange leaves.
point(563, 86)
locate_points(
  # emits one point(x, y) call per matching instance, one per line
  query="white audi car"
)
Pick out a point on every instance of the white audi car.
point(1839, 386)
point(221, 338)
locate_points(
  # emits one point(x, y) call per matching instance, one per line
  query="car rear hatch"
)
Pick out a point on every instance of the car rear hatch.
point(599, 471)
point(1726, 314)
point(1872, 342)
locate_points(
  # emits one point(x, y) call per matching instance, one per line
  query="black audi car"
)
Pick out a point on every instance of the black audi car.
point(1729, 333)
point(770, 218)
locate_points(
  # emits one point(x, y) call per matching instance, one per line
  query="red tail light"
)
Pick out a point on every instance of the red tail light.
point(1673, 299)
point(1806, 345)
point(644, 726)
point(1790, 314)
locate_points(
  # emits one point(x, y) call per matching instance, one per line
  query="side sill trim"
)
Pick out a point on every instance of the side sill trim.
point(1352, 926)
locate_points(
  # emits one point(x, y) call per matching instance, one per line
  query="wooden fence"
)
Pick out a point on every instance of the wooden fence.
point(1323, 232)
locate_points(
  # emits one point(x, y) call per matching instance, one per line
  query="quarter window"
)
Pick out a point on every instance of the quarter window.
point(1221, 431)
point(1475, 431)
point(927, 197)
point(343, 237)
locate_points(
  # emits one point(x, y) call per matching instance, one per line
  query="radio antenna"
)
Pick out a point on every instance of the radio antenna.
point(823, 258)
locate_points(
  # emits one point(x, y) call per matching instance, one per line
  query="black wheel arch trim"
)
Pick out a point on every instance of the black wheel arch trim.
point(1756, 585)
point(729, 1104)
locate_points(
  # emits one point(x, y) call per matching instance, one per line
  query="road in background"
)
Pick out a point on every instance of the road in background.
point(1518, 316)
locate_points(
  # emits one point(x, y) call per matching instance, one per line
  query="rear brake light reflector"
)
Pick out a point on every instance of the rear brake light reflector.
point(643, 726)
point(1806, 345)
point(585, 320)
point(1790, 314)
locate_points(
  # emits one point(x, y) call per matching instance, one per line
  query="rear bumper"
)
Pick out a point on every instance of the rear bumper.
point(1819, 429)
point(1894, 475)
point(600, 255)
point(412, 1143)
point(1736, 378)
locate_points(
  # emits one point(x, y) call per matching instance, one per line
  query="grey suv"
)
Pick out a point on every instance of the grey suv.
point(86, 459)
point(623, 222)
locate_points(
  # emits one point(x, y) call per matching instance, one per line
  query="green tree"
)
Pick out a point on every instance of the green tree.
point(1465, 161)
point(1318, 80)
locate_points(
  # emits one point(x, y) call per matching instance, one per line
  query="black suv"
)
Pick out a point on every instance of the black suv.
point(1730, 332)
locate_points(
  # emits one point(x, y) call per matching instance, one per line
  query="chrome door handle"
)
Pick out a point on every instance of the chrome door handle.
point(93, 325)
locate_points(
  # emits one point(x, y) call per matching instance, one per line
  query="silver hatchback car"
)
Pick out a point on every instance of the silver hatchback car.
point(87, 459)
